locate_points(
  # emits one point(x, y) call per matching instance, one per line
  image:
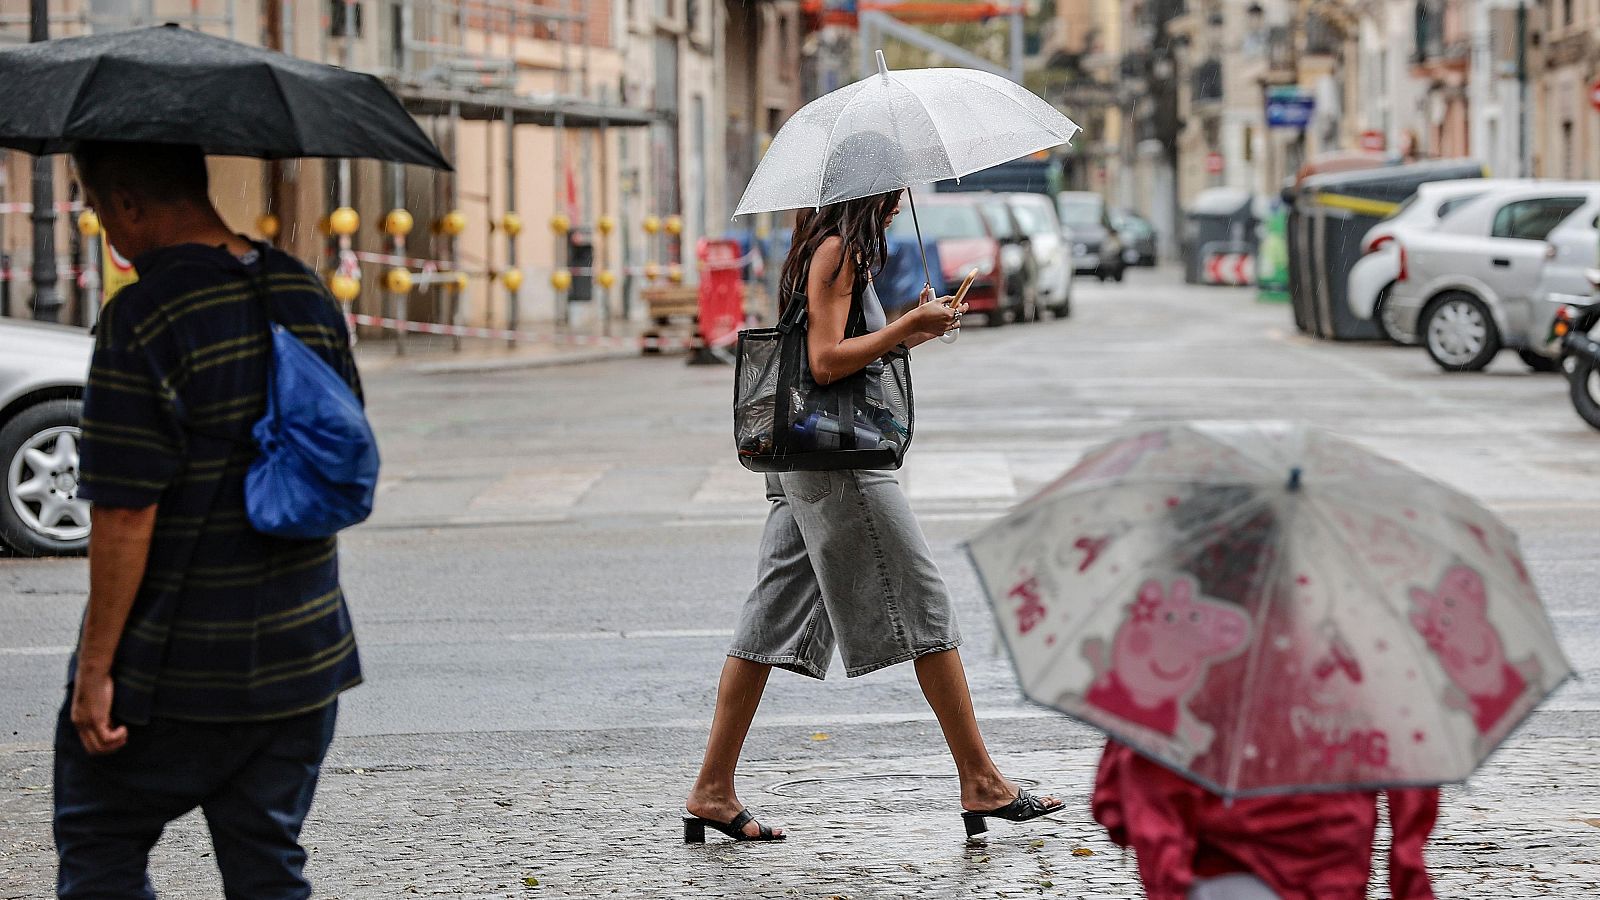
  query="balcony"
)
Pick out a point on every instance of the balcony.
point(1441, 38)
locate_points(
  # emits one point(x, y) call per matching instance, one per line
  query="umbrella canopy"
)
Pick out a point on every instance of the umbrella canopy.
point(169, 85)
point(896, 129)
point(1266, 608)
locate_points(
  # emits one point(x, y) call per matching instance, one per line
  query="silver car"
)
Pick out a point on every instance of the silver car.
point(1471, 286)
point(1051, 251)
point(43, 369)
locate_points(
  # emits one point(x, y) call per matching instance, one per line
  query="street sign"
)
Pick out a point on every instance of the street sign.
point(1214, 163)
point(1594, 93)
point(1290, 108)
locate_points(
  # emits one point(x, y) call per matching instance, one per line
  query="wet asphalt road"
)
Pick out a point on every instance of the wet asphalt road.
point(559, 554)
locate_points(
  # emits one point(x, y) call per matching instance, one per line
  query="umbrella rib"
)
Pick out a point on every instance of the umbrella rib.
point(822, 172)
point(1253, 666)
point(277, 86)
point(932, 122)
point(72, 111)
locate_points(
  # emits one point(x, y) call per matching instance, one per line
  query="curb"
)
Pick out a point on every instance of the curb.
point(481, 366)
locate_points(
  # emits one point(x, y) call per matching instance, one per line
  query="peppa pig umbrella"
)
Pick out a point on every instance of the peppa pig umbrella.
point(1269, 608)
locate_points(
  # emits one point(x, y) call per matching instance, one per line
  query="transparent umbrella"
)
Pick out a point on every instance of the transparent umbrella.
point(893, 130)
point(1267, 608)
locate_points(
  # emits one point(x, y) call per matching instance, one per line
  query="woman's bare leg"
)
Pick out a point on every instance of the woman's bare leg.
point(944, 684)
point(738, 696)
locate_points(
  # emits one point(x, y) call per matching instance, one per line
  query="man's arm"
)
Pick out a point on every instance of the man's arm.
point(119, 548)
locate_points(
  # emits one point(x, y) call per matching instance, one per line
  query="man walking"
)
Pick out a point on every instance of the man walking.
point(211, 656)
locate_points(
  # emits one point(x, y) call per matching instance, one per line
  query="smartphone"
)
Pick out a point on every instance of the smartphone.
point(966, 283)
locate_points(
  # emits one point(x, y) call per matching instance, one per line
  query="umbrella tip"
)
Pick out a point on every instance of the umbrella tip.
point(883, 66)
point(1294, 480)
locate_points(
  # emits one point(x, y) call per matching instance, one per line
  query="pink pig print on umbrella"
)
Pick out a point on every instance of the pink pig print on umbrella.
point(1453, 619)
point(1160, 655)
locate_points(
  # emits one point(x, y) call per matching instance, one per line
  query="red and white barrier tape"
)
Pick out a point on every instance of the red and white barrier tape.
point(535, 337)
point(13, 208)
point(442, 265)
point(21, 274)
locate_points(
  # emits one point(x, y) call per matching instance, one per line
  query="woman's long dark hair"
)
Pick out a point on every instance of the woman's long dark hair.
point(859, 223)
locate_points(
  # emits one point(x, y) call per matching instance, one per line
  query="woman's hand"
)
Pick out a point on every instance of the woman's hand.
point(933, 316)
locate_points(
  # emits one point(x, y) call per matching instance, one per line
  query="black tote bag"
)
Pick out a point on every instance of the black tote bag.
point(783, 421)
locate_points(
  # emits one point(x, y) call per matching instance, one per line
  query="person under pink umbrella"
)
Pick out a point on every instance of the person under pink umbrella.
point(1193, 844)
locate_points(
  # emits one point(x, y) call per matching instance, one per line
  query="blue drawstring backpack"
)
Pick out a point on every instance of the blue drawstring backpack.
point(318, 468)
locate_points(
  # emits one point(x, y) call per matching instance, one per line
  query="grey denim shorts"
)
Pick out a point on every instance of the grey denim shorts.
point(843, 561)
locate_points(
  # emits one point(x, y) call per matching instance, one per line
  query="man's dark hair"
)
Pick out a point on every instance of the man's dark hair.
point(164, 173)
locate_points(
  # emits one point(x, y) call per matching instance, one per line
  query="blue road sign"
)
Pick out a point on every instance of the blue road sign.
point(1290, 109)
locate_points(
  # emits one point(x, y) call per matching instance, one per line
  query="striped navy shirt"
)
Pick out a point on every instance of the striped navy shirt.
point(229, 625)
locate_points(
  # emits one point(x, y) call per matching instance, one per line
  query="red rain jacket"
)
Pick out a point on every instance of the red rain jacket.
point(1304, 846)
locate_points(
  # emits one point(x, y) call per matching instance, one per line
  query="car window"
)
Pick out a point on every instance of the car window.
point(1455, 203)
point(1033, 218)
point(999, 220)
point(941, 221)
point(1078, 213)
point(1533, 220)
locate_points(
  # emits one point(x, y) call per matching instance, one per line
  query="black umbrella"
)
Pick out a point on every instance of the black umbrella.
point(169, 85)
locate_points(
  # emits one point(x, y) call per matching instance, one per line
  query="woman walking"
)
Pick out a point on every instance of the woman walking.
point(843, 560)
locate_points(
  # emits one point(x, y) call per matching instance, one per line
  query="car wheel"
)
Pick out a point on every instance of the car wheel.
point(1584, 380)
point(1538, 362)
point(40, 513)
point(1460, 333)
point(1383, 316)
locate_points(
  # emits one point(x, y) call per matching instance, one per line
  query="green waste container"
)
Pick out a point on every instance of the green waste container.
point(1272, 257)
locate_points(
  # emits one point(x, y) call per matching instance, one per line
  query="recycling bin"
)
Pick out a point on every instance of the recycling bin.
point(1217, 217)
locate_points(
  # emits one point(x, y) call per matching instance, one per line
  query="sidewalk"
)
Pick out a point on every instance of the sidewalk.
point(416, 816)
point(428, 354)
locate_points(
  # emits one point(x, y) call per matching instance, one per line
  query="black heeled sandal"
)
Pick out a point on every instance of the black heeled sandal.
point(1025, 807)
point(694, 829)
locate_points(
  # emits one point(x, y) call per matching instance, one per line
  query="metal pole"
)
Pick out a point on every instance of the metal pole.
point(1523, 167)
point(1016, 44)
point(346, 56)
point(563, 310)
point(46, 299)
point(513, 295)
point(402, 301)
point(457, 296)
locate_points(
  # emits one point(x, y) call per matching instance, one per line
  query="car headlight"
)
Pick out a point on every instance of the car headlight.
point(1080, 249)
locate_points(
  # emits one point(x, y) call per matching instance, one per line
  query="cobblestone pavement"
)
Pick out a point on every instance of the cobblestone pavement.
point(862, 828)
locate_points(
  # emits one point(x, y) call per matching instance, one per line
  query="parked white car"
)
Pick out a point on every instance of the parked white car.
point(1052, 253)
point(1469, 287)
point(1374, 273)
point(43, 369)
